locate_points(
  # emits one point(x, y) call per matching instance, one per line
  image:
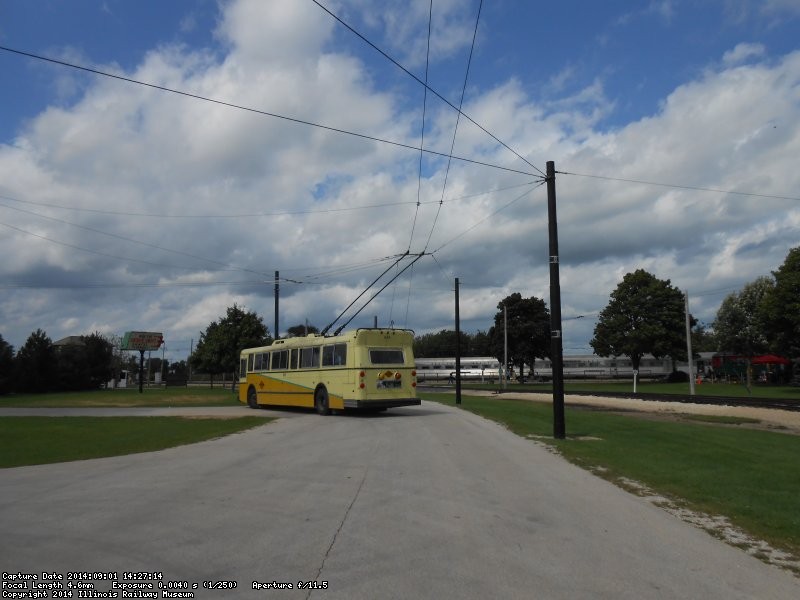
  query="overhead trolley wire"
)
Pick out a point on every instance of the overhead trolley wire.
point(489, 216)
point(455, 129)
point(389, 268)
point(422, 131)
point(258, 111)
point(433, 91)
point(680, 186)
point(375, 295)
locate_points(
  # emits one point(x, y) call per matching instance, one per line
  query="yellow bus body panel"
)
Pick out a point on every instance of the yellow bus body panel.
point(356, 384)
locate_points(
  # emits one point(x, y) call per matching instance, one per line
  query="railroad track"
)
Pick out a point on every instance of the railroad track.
point(792, 404)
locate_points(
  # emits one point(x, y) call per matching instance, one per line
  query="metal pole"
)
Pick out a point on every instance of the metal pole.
point(505, 346)
point(141, 370)
point(556, 345)
point(277, 296)
point(458, 350)
point(689, 344)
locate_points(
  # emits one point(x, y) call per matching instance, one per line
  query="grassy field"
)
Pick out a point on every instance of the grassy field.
point(706, 389)
point(174, 396)
point(748, 475)
point(40, 440)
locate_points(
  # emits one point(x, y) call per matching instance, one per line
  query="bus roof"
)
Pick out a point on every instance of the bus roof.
point(363, 335)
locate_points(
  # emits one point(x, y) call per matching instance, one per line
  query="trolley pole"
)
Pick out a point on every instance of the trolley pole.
point(556, 344)
point(458, 350)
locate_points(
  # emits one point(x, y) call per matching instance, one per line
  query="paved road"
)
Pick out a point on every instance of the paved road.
point(420, 502)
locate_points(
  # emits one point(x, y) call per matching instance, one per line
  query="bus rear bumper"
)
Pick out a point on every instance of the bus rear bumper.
point(388, 403)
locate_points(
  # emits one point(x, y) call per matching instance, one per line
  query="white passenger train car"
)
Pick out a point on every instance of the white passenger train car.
point(480, 368)
point(580, 366)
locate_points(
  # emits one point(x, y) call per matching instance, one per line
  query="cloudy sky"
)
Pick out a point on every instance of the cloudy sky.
point(270, 137)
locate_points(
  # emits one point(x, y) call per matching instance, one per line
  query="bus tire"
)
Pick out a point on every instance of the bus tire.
point(252, 398)
point(321, 401)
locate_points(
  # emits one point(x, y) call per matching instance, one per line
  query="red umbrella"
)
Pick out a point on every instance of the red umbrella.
point(770, 359)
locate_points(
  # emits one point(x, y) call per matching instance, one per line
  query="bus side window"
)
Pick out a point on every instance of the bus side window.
point(250, 358)
point(334, 355)
point(309, 357)
point(243, 368)
point(293, 358)
point(280, 360)
point(340, 354)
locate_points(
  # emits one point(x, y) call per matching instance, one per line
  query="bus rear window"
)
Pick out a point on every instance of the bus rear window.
point(386, 356)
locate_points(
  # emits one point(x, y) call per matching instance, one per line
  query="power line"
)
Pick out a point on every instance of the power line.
point(455, 129)
point(104, 254)
point(258, 111)
point(489, 216)
point(422, 132)
point(104, 285)
point(434, 92)
point(133, 241)
point(680, 186)
point(283, 213)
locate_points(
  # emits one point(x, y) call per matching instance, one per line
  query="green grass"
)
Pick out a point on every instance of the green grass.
point(176, 396)
point(750, 476)
point(40, 440)
point(706, 389)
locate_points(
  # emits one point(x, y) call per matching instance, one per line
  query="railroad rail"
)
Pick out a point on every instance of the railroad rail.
point(792, 404)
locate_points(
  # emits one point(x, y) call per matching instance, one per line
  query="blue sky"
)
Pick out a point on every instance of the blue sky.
point(697, 94)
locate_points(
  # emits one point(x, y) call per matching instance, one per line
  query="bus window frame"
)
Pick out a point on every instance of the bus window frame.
point(334, 355)
point(281, 357)
point(316, 355)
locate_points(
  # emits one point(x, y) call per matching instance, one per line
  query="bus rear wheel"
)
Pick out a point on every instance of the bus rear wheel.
point(321, 401)
point(252, 398)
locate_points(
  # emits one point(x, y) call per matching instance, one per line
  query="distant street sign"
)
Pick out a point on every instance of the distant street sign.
point(142, 340)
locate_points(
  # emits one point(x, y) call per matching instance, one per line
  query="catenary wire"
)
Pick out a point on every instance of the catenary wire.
point(493, 213)
point(422, 128)
point(434, 92)
point(455, 129)
point(680, 186)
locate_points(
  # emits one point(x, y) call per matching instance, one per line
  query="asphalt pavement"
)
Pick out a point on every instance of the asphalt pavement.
point(418, 502)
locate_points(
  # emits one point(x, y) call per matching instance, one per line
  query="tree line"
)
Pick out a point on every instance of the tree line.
point(40, 366)
point(644, 315)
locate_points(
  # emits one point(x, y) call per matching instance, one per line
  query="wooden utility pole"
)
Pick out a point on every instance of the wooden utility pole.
point(277, 301)
point(556, 343)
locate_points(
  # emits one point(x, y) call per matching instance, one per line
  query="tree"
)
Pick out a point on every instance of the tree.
point(219, 346)
point(645, 315)
point(528, 326)
point(739, 327)
point(6, 366)
point(440, 345)
point(178, 369)
point(301, 330)
point(780, 308)
point(443, 344)
point(36, 364)
point(99, 353)
point(703, 339)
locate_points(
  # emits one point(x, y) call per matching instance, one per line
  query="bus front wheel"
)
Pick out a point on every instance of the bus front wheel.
point(321, 401)
point(252, 399)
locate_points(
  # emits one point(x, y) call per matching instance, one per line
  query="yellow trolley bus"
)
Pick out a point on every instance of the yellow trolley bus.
point(362, 369)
